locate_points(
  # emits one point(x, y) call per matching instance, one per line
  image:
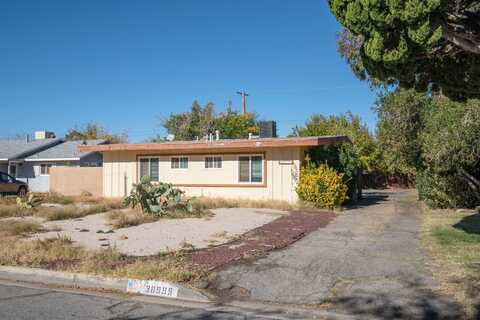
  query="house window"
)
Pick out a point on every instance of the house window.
point(45, 169)
point(250, 169)
point(179, 163)
point(213, 162)
point(149, 167)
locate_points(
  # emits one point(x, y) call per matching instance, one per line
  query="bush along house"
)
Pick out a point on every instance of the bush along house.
point(255, 168)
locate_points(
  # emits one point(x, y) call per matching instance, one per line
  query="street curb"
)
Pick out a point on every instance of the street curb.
point(77, 280)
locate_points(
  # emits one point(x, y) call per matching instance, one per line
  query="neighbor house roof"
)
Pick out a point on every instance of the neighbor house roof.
point(11, 149)
point(219, 145)
point(67, 150)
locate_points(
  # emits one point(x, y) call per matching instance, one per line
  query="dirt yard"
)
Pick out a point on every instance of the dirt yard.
point(93, 232)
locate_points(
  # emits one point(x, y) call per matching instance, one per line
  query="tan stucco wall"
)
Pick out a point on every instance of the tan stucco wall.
point(72, 181)
point(120, 171)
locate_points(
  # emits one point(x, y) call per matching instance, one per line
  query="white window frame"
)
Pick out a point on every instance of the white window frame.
point(250, 168)
point(180, 162)
point(213, 162)
point(51, 165)
point(149, 167)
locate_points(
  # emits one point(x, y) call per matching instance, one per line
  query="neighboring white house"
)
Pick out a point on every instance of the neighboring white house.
point(30, 160)
point(35, 169)
point(14, 151)
point(259, 168)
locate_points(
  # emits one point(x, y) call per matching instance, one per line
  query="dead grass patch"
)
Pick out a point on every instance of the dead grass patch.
point(13, 210)
point(61, 254)
point(75, 212)
point(205, 203)
point(19, 228)
point(54, 197)
point(452, 240)
point(7, 200)
point(124, 219)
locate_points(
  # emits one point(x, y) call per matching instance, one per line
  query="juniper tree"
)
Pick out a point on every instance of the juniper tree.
point(421, 44)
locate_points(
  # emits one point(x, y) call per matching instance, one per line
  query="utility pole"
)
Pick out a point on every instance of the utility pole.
point(244, 95)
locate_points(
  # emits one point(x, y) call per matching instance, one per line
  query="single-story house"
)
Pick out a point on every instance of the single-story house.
point(258, 168)
point(36, 167)
point(14, 151)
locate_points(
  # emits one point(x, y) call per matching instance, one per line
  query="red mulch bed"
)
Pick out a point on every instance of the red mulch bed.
point(256, 243)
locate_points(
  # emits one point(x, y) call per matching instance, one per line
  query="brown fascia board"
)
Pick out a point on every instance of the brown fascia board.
point(218, 145)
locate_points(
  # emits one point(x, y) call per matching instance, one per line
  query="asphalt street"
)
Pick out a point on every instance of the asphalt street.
point(40, 303)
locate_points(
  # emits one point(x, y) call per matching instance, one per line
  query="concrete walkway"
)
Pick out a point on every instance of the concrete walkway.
point(368, 262)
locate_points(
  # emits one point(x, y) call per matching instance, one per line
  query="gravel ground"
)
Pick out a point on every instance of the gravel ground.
point(162, 235)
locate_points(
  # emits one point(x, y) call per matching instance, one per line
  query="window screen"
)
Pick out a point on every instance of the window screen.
point(250, 169)
point(256, 169)
point(154, 169)
point(144, 168)
point(217, 162)
point(213, 162)
point(149, 167)
point(179, 163)
point(183, 162)
point(45, 169)
point(175, 163)
point(244, 169)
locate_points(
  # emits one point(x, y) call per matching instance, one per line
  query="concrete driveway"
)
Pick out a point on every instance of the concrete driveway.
point(367, 262)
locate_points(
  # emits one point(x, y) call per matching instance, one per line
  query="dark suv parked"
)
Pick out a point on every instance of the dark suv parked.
point(10, 185)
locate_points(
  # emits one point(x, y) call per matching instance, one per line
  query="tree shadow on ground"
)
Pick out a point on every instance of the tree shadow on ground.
point(469, 224)
point(199, 314)
point(369, 198)
point(414, 302)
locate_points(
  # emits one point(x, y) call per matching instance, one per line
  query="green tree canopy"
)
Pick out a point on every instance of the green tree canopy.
point(201, 121)
point(364, 143)
point(400, 123)
point(91, 131)
point(421, 44)
point(436, 139)
point(345, 158)
point(450, 173)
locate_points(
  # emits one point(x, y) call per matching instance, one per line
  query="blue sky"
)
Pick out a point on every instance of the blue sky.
point(127, 64)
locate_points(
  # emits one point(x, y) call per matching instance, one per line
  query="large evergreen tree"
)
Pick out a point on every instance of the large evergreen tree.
point(422, 44)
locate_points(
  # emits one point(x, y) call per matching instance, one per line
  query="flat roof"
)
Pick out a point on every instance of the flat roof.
point(218, 145)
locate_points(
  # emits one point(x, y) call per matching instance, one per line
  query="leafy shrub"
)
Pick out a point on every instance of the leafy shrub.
point(323, 186)
point(30, 202)
point(158, 199)
point(450, 172)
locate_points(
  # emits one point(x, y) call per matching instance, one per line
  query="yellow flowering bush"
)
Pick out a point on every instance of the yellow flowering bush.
point(322, 186)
